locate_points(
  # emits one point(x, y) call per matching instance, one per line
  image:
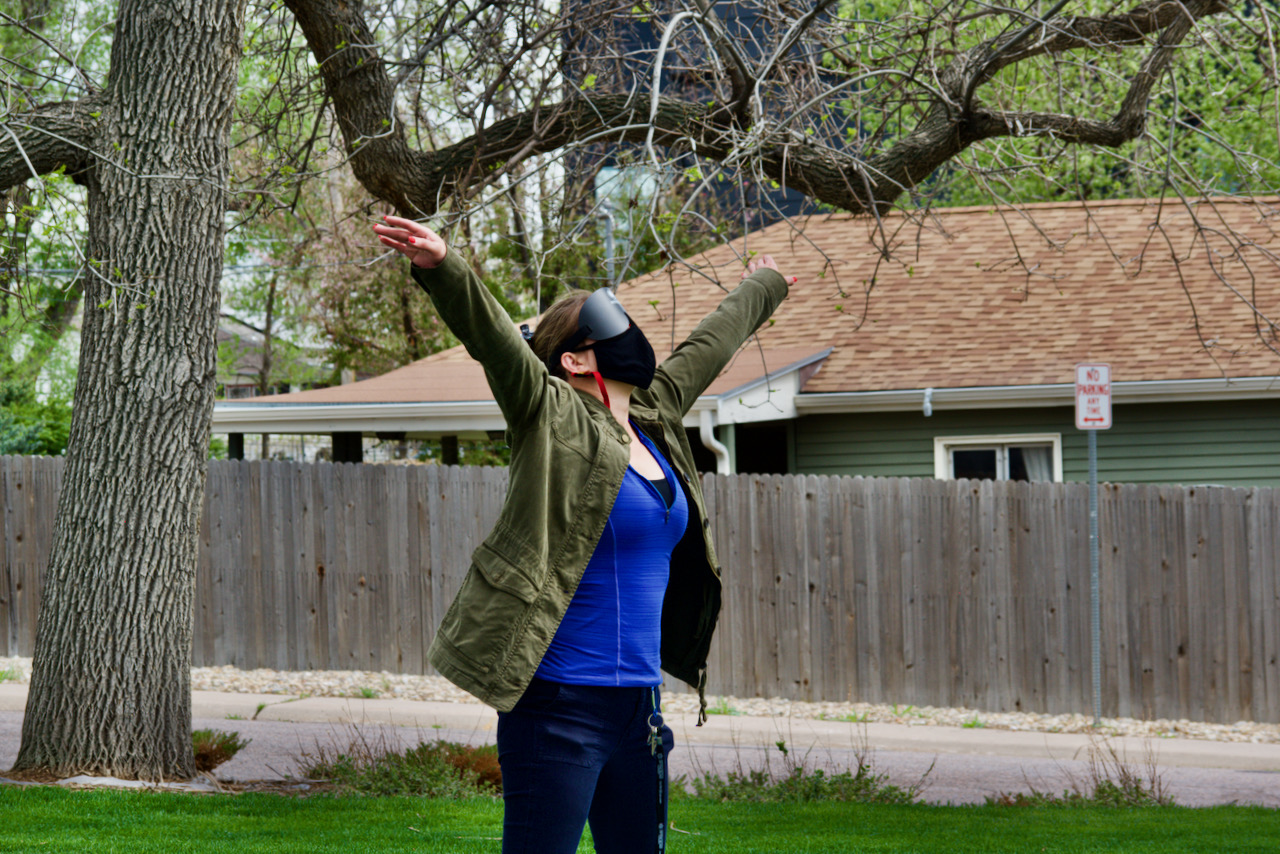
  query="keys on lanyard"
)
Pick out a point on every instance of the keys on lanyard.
point(655, 736)
point(655, 750)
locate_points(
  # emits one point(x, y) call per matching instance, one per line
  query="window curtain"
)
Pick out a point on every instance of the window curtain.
point(1039, 462)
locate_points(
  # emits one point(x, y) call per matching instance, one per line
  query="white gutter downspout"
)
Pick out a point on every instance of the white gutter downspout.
point(707, 433)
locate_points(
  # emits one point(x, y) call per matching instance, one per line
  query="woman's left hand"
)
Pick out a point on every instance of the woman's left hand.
point(422, 246)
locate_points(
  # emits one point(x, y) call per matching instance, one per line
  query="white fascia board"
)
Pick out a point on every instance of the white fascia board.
point(451, 417)
point(771, 398)
point(1058, 394)
point(771, 401)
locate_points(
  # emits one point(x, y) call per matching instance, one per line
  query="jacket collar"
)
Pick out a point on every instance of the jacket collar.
point(601, 413)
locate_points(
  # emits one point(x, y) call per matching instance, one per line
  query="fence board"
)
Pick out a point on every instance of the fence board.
point(419, 536)
point(201, 618)
point(914, 652)
point(1236, 662)
point(300, 566)
point(18, 543)
point(1262, 549)
point(759, 648)
point(323, 556)
point(1214, 603)
point(842, 572)
point(8, 620)
point(863, 629)
point(824, 595)
point(890, 581)
point(278, 531)
point(1119, 533)
point(1270, 606)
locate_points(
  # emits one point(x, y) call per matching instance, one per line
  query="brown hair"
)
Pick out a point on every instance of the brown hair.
point(558, 323)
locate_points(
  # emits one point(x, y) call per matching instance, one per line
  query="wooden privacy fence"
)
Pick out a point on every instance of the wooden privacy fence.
point(882, 590)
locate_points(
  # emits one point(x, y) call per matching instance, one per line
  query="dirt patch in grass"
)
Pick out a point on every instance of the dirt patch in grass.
point(32, 775)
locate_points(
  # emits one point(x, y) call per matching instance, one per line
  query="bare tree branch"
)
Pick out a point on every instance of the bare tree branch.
point(415, 182)
point(46, 139)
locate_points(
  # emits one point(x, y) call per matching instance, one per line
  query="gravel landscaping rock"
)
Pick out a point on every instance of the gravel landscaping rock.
point(368, 685)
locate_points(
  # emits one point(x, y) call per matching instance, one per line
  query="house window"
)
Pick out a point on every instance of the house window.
point(236, 392)
point(1033, 457)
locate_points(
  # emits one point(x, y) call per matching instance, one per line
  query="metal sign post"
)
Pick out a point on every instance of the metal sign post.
point(1093, 413)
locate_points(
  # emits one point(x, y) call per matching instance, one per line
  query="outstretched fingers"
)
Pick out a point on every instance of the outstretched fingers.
point(406, 225)
point(416, 241)
point(400, 234)
point(397, 244)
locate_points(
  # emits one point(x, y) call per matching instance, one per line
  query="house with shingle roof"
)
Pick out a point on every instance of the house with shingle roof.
point(940, 344)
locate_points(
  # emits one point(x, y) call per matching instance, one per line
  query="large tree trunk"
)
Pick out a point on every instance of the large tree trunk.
point(110, 687)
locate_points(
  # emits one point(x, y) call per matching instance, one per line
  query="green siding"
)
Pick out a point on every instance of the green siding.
point(1230, 443)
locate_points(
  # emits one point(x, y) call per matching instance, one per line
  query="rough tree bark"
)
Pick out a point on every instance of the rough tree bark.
point(110, 685)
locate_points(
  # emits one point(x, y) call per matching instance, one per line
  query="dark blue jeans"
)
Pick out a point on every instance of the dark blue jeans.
point(573, 754)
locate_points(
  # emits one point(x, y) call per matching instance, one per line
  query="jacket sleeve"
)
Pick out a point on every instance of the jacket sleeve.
point(518, 379)
point(701, 357)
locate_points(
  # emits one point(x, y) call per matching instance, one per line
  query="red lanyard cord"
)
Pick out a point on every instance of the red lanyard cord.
point(600, 382)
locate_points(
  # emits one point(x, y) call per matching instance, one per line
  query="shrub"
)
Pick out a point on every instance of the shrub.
point(799, 783)
point(1113, 781)
point(213, 747)
point(437, 769)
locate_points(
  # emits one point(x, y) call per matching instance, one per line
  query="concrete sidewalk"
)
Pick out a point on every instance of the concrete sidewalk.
point(967, 764)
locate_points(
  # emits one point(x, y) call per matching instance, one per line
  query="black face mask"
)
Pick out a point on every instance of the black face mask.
point(626, 358)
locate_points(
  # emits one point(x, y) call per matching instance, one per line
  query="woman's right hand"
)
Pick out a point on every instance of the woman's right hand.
point(414, 240)
point(759, 262)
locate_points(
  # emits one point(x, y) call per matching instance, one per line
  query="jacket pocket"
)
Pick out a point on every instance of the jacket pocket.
point(481, 624)
point(510, 564)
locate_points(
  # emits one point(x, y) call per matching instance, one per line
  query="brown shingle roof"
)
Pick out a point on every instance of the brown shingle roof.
point(971, 297)
point(986, 297)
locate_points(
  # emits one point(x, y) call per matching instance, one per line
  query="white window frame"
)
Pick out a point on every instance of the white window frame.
point(944, 445)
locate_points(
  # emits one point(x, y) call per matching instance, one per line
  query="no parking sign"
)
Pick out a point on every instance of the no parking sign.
point(1093, 396)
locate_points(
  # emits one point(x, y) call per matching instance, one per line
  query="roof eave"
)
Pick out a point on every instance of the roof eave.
point(1018, 397)
point(447, 417)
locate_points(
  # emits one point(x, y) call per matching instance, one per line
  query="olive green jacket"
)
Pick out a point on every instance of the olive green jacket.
point(568, 457)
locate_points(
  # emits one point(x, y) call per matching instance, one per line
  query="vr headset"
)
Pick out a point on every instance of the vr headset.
point(602, 317)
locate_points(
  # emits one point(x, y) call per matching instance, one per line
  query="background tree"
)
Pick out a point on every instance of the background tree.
point(462, 110)
point(40, 295)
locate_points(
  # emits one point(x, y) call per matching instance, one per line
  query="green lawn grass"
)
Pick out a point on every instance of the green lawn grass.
point(48, 819)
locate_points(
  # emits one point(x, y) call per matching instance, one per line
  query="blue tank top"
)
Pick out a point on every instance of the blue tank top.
point(612, 632)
